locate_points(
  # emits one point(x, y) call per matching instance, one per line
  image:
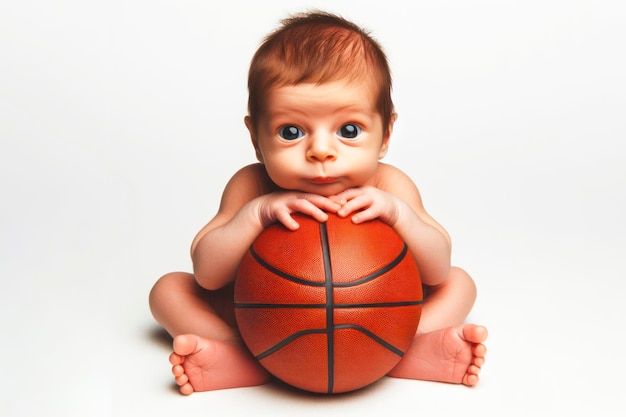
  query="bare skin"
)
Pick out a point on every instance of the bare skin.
point(453, 355)
point(315, 172)
point(200, 364)
point(208, 353)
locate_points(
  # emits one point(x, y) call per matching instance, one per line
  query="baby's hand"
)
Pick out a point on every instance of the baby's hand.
point(370, 203)
point(280, 205)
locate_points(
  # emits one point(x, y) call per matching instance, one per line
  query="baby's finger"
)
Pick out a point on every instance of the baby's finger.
point(306, 206)
point(324, 203)
point(358, 203)
point(347, 195)
point(317, 213)
point(365, 215)
point(285, 218)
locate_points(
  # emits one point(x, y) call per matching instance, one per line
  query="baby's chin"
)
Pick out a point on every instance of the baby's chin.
point(326, 190)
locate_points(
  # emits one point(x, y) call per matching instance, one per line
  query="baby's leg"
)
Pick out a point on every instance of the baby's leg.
point(449, 303)
point(208, 352)
point(201, 364)
point(445, 349)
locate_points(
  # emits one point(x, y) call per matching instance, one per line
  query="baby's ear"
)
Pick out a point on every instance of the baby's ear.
point(385, 146)
point(253, 137)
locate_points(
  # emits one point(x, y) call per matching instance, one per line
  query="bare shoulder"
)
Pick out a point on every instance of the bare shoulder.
point(397, 182)
point(250, 172)
point(246, 184)
point(394, 181)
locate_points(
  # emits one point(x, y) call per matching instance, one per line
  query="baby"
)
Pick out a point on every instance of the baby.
point(320, 117)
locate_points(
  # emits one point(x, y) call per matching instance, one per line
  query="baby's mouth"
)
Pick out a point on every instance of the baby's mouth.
point(324, 180)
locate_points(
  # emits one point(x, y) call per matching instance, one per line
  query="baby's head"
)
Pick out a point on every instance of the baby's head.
point(316, 48)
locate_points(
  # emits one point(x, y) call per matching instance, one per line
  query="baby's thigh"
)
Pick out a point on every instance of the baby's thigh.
point(222, 303)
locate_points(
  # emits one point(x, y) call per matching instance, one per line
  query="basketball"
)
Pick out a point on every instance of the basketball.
point(330, 307)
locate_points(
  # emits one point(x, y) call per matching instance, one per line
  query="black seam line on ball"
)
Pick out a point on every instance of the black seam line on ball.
point(283, 274)
point(276, 305)
point(380, 341)
point(380, 305)
point(378, 272)
point(288, 340)
point(330, 319)
point(303, 281)
point(348, 305)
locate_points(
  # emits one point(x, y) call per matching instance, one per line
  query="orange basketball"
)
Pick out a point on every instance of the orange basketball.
point(331, 307)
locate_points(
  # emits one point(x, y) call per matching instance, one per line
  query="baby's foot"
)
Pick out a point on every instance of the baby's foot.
point(200, 364)
point(454, 354)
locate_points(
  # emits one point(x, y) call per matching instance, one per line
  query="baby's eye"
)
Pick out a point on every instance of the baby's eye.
point(349, 131)
point(290, 133)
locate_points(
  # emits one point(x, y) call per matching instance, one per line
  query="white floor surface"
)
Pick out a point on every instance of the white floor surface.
point(121, 121)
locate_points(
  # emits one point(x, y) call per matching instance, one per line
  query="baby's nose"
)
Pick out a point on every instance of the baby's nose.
point(321, 148)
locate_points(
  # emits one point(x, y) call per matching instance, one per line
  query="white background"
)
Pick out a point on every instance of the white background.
point(121, 121)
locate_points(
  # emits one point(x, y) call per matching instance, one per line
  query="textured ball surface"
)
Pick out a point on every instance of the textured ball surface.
point(331, 307)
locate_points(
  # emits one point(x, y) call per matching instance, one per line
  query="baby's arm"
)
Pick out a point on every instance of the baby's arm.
point(397, 201)
point(247, 207)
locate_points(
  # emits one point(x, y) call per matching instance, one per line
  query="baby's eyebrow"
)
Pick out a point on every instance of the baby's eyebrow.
point(288, 113)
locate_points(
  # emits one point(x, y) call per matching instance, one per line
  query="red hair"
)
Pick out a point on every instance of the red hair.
point(318, 47)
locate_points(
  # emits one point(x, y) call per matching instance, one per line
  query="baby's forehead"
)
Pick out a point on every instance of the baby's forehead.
point(365, 82)
point(310, 99)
